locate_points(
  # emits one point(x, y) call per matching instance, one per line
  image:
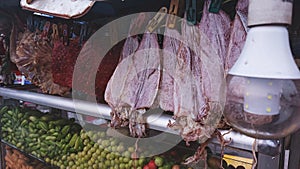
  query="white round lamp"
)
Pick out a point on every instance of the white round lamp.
point(263, 99)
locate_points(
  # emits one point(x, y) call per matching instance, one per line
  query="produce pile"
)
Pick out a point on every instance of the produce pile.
point(16, 160)
point(63, 143)
point(109, 152)
point(42, 135)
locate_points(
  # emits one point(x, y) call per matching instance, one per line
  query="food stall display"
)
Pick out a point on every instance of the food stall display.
point(148, 93)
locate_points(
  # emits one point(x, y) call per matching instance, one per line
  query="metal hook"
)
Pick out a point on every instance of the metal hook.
point(215, 6)
point(173, 11)
point(156, 20)
point(191, 8)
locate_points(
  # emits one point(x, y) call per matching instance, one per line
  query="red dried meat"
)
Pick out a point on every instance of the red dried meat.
point(32, 55)
point(106, 69)
point(84, 80)
point(63, 61)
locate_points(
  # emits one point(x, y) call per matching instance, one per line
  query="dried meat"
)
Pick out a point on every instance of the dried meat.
point(169, 53)
point(238, 34)
point(199, 85)
point(32, 56)
point(134, 85)
point(132, 42)
point(63, 61)
point(217, 28)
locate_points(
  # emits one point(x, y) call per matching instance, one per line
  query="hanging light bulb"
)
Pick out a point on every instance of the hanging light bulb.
point(263, 93)
point(262, 96)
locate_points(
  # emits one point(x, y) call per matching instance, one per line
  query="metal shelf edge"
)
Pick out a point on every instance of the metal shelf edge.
point(156, 121)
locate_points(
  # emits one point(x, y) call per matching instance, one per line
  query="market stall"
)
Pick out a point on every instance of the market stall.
point(148, 85)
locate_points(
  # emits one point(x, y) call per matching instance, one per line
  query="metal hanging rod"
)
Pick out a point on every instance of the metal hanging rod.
point(156, 121)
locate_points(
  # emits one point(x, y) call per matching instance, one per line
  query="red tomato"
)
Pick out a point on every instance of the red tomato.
point(152, 165)
point(146, 167)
